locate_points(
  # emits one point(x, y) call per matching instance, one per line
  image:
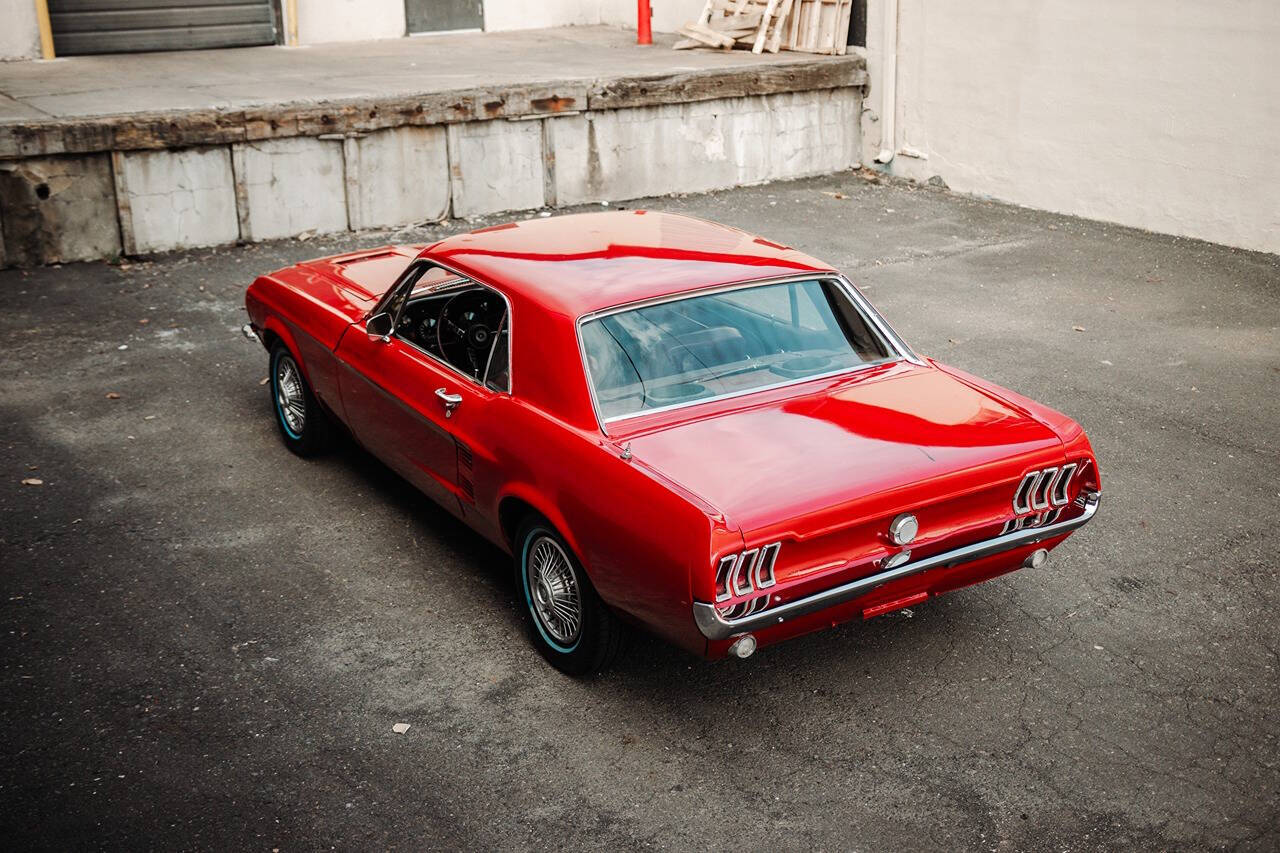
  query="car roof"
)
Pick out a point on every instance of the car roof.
point(580, 263)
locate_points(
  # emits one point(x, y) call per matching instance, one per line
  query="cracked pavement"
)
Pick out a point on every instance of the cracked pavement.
point(208, 641)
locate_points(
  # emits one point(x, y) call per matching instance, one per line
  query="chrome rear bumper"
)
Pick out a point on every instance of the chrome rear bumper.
point(715, 627)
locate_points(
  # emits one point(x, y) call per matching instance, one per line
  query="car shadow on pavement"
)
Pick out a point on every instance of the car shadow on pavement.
point(647, 663)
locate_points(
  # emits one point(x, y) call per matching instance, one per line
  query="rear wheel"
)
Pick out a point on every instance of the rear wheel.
point(568, 623)
point(303, 425)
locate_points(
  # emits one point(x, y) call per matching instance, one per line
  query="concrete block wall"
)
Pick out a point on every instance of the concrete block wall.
point(704, 145)
point(290, 186)
point(496, 165)
point(397, 176)
point(89, 206)
point(55, 209)
point(171, 199)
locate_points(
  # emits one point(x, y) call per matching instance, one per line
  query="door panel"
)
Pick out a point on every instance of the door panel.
point(388, 396)
point(433, 16)
point(390, 400)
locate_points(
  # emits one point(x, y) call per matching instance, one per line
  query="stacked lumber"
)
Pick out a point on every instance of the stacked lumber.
point(818, 26)
point(812, 26)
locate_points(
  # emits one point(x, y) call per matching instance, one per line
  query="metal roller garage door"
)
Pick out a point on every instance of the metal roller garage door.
point(131, 26)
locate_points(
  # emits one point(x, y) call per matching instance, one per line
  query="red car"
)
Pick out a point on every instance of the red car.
point(670, 423)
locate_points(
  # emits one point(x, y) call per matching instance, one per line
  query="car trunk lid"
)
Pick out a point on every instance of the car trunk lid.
point(824, 472)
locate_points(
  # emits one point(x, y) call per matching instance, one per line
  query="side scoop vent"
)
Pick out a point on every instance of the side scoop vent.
point(465, 459)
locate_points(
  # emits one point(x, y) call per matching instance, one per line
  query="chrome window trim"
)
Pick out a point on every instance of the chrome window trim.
point(715, 626)
point(878, 325)
point(403, 282)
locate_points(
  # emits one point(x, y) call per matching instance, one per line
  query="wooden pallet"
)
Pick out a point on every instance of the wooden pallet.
point(818, 26)
point(726, 23)
point(811, 26)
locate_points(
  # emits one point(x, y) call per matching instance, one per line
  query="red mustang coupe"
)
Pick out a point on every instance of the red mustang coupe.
point(671, 423)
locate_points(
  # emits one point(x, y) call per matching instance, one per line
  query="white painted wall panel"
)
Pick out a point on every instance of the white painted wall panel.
point(398, 177)
point(290, 186)
point(179, 199)
point(668, 15)
point(19, 33)
point(523, 15)
point(1154, 114)
point(349, 20)
point(618, 154)
point(496, 165)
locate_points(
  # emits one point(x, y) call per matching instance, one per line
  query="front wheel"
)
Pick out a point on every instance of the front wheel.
point(303, 426)
point(572, 628)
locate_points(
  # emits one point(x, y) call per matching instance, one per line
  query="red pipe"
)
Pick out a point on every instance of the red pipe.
point(644, 35)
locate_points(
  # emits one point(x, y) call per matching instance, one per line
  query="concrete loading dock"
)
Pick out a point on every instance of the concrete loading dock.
point(148, 153)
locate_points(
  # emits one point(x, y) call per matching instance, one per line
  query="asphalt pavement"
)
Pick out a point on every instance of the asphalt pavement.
point(207, 641)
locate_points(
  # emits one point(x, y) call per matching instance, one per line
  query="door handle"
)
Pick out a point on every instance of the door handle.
point(450, 401)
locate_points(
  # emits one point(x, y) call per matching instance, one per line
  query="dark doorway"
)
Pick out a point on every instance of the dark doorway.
point(436, 16)
point(858, 23)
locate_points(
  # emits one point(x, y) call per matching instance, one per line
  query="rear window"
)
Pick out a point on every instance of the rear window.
point(729, 342)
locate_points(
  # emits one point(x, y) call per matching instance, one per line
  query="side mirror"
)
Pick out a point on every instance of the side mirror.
point(379, 326)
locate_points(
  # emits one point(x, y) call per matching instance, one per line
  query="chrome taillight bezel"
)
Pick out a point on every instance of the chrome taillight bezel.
point(1044, 488)
point(1041, 496)
point(746, 572)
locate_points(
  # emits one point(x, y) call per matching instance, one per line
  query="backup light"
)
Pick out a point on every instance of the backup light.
point(895, 560)
point(743, 647)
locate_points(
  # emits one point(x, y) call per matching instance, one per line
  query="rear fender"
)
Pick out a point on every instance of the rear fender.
point(547, 509)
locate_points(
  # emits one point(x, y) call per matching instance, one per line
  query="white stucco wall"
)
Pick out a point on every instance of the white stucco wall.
point(668, 15)
point(524, 15)
point(354, 20)
point(19, 33)
point(349, 20)
point(1157, 114)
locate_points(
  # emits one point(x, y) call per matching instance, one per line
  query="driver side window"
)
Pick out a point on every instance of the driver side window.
point(460, 322)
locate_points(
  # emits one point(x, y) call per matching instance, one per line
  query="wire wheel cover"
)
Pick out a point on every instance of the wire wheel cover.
point(553, 591)
point(289, 395)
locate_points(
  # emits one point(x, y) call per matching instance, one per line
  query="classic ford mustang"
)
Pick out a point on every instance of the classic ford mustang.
point(670, 423)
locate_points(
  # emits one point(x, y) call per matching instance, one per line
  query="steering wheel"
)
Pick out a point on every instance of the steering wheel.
point(466, 327)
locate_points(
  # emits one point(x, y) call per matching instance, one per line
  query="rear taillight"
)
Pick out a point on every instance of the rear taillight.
point(1041, 496)
point(743, 575)
point(1040, 490)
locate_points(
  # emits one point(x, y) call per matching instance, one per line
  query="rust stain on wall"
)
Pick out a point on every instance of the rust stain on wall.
point(552, 104)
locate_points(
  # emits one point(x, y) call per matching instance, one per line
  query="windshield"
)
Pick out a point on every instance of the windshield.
point(728, 342)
